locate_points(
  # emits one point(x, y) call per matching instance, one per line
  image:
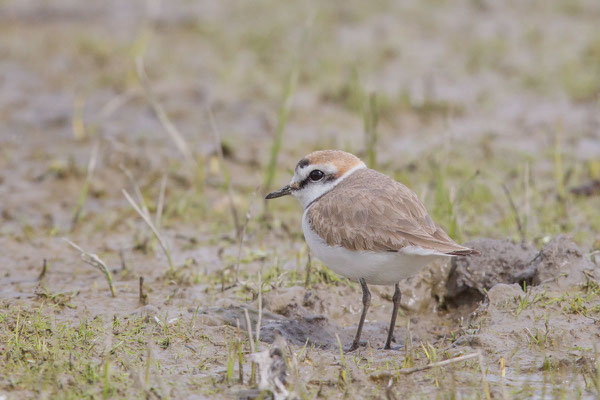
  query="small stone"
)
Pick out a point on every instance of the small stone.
point(148, 311)
point(502, 292)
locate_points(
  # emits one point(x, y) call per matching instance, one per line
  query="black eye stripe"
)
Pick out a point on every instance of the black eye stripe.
point(304, 183)
point(326, 179)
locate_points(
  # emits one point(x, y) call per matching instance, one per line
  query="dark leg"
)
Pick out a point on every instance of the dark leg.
point(366, 300)
point(396, 300)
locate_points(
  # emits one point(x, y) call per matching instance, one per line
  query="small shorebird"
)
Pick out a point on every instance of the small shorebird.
point(364, 225)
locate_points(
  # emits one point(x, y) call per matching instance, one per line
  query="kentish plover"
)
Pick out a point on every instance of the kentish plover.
point(364, 225)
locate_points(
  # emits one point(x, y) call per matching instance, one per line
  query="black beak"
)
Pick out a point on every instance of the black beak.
point(284, 191)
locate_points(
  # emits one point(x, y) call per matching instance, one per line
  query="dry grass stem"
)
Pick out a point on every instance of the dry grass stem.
point(308, 269)
point(166, 123)
point(251, 341)
point(503, 378)
point(136, 190)
point(259, 321)
point(371, 120)
point(148, 222)
point(161, 201)
point(249, 328)
point(242, 235)
point(77, 123)
point(406, 371)
point(486, 388)
point(96, 262)
point(118, 101)
point(240, 356)
point(123, 262)
point(86, 185)
point(515, 211)
point(219, 148)
point(284, 113)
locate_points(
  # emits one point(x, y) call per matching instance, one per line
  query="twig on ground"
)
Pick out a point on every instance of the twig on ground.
point(143, 295)
point(406, 371)
point(44, 270)
point(96, 262)
point(148, 222)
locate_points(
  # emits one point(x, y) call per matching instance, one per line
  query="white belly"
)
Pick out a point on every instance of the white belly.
point(377, 268)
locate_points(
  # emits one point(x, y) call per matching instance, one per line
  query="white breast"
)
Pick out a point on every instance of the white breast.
point(377, 268)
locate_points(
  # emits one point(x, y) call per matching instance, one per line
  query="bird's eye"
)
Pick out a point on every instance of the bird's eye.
point(316, 175)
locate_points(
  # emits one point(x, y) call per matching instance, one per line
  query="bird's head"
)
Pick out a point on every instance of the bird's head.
point(318, 173)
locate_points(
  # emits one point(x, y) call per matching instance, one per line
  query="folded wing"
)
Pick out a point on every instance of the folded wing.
point(370, 211)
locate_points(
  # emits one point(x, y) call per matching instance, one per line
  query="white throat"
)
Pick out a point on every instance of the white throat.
point(312, 192)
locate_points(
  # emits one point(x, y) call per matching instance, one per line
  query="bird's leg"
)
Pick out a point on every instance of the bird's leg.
point(396, 300)
point(366, 300)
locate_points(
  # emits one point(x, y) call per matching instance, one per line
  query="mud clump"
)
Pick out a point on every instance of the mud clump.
point(499, 261)
point(423, 291)
point(561, 263)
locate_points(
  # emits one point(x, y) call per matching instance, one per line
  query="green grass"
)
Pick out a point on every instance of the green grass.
point(284, 79)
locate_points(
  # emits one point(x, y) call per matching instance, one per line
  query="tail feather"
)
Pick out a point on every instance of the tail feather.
point(465, 252)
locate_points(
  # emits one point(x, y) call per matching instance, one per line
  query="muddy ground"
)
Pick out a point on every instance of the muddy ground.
point(489, 111)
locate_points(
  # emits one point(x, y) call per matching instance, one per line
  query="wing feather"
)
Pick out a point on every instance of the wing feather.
point(370, 211)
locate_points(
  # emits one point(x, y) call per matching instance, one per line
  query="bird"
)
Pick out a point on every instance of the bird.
point(365, 226)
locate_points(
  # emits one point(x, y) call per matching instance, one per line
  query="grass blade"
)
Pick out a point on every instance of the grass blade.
point(96, 262)
point(283, 116)
point(148, 222)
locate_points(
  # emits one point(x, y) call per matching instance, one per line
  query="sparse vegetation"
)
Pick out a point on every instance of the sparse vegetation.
point(490, 123)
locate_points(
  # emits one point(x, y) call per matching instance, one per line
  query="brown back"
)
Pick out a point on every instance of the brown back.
point(370, 211)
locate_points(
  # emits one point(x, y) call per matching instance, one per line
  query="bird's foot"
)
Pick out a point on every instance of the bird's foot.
point(354, 346)
point(390, 346)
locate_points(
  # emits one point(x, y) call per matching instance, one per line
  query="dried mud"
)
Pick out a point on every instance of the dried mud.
point(473, 96)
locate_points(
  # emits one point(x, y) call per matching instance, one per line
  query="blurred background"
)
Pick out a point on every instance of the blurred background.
point(488, 110)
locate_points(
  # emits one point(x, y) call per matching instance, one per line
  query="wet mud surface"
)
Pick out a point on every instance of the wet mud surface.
point(493, 128)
